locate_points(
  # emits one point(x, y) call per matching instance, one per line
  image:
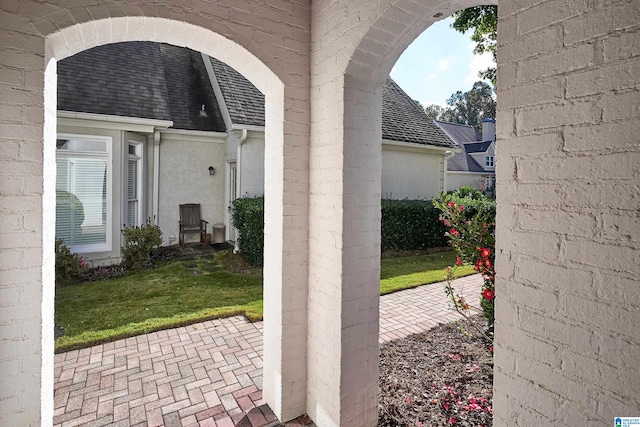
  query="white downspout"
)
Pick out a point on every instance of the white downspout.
point(243, 139)
point(241, 142)
point(156, 174)
point(447, 156)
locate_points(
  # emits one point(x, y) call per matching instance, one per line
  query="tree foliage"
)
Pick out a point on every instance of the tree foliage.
point(484, 22)
point(434, 111)
point(469, 108)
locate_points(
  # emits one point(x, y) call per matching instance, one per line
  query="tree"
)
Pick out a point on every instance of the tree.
point(434, 111)
point(471, 107)
point(484, 22)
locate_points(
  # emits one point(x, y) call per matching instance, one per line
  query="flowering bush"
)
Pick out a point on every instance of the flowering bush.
point(70, 267)
point(473, 237)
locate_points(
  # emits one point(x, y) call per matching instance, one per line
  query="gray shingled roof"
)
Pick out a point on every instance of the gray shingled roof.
point(140, 79)
point(402, 118)
point(460, 133)
point(470, 141)
point(244, 101)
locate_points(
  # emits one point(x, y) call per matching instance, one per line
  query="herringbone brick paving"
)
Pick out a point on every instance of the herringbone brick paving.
point(207, 374)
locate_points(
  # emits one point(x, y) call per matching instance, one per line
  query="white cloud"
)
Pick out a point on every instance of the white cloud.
point(433, 76)
point(478, 63)
point(444, 64)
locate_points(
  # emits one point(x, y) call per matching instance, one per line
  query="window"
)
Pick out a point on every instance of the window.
point(489, 182)
point(83, 192)
point(488, 161)
point(134, 184)
point(233, 182)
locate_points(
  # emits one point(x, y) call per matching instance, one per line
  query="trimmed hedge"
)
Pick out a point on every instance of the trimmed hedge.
point(406, 225)
point(411, 224)
point(474, 201)
point(247, 215)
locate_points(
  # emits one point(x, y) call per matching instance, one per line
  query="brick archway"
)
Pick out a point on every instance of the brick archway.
point(568, 236)
point(61, 35)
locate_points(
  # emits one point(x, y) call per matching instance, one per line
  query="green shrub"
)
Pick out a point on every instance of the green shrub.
point(469, 193)
point(69, 266)
point(474, 203)
point(411, 224)
point(247, 215)
point(139, 241)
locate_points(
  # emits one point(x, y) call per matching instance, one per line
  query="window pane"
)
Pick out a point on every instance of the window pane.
point(82, 145)
point(81, 204)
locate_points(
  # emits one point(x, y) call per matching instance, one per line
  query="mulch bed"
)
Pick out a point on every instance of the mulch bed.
point(441, 377)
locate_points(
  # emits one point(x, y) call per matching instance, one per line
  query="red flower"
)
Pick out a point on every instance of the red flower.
point(479, 265)
point(458, 261)
point(452, 420)
point(447, 223)
point(451, 204)
point(454, 232)
point(487, 263)
point(461, 208)
point(485, 252)
point(488, 294)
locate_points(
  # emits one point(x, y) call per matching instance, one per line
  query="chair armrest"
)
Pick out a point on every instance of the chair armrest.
point(203, 225)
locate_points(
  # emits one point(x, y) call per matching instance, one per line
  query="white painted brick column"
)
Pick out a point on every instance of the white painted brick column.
point(286, 252)
point(568, 228)
point(27, 177)
point(344, 254)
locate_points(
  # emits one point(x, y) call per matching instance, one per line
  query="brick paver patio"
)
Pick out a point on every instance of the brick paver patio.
point(207, 374)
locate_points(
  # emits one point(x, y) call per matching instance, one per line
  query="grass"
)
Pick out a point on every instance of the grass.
point(172, 296)
point(401, 273)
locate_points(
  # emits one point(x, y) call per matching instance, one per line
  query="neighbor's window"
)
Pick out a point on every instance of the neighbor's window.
point(488, 161)
point(83, 192)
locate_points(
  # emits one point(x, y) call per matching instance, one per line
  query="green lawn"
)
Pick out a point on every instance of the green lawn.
point(401, 273)
point(172, 295)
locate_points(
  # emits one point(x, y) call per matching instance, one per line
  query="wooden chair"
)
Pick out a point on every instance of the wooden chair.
point(191, 222)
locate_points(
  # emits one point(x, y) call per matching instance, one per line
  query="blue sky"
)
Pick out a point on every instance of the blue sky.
point(438, 63)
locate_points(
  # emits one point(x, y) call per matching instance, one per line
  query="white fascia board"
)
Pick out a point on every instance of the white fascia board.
point(251, 128)
point(194, 135)
point(217, 91)
point(106, 121)
point(412, 146)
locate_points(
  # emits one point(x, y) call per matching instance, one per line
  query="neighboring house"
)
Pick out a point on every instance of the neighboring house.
point(474, 165)
point(144, 127)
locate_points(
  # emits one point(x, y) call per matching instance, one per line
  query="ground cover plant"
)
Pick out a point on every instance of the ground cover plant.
point(441, 377)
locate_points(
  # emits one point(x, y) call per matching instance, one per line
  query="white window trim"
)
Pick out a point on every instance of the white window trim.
point(97, 247)
point(489, 159)
point(139, 157)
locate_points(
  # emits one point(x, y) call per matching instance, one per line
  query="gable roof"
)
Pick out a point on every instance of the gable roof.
point(244, 101)
point(165, 82)
point(402, 119)
point(140, 79)
point(470, 141)
point(460, 133)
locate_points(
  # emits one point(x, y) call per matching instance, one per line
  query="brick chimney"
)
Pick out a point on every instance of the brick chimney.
point(488, 130)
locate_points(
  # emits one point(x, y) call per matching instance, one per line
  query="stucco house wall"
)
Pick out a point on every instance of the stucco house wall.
point(411, 172)
point(456, 180)
point(252, 166)
point(184, 178)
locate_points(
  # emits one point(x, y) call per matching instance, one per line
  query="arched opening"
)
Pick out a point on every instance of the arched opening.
point(74, 39)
